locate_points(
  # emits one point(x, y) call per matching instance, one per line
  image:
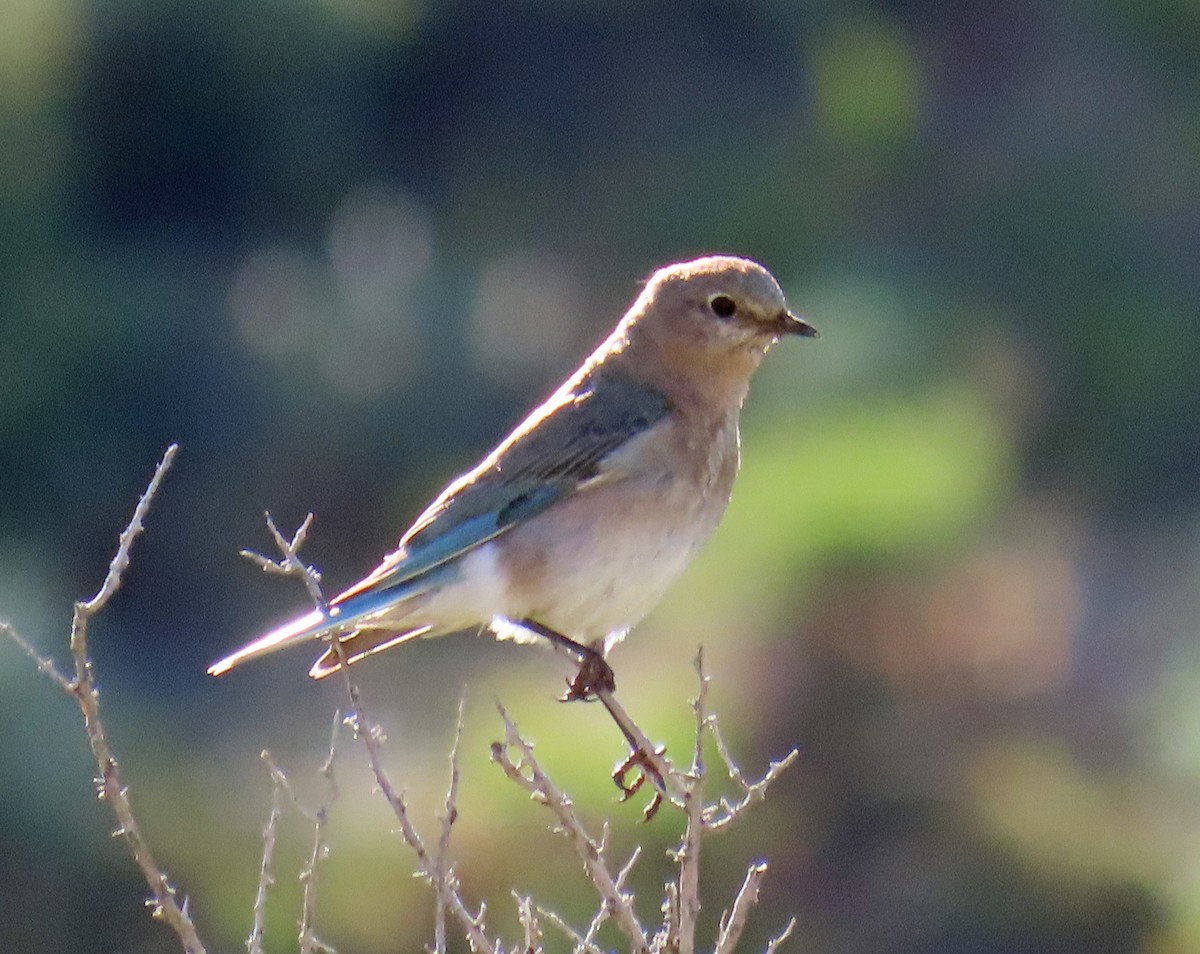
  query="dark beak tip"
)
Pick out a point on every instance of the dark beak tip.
point(798, 326)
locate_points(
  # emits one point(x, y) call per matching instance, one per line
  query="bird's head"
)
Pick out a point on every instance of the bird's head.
point(715, 307)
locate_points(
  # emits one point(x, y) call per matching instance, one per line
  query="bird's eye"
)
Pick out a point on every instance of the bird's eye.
point(722, 305)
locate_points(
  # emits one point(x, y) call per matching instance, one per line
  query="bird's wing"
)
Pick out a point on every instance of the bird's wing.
point(561, 448)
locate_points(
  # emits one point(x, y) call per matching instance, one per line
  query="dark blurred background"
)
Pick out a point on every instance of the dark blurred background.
point(336, 247)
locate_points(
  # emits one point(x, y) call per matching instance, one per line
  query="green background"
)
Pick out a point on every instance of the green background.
point(335, 248)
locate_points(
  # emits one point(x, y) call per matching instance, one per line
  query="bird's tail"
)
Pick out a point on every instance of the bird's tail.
point(305, 627)
point(394, 602)
point(365, 643)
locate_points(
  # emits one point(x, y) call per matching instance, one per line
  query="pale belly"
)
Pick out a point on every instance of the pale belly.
point(595, 563)
point(600, 562)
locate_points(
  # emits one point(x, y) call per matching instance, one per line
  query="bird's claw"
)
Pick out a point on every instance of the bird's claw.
point(595, 675)
point(646, 768)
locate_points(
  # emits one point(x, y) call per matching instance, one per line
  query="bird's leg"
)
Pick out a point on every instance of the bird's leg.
point(595, 681)
point(646, 759)
point(594, 674)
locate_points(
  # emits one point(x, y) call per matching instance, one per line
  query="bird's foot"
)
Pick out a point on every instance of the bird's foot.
point(595, 675)
point(644, 763)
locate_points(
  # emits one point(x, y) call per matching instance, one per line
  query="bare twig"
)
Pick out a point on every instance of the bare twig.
point(720, 816)
point(120, 560)
point(309, 942)
point(733, 921)
point(665, 936)
point(265, 879)
point(45, 666)
point(441, 871)
point(581, 943)
point(291, 564)
point(445, 885)
point(82, 687)
point(603, 912)
point(530, 928)
point(681, 934)
point(775, 942)
point(529, 775)
point(280, 779)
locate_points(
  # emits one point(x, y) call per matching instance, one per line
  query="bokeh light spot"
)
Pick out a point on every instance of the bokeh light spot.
point(526, 317)
point(867, 85)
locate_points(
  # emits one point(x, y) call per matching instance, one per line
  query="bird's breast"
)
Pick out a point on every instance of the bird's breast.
point(597, 562)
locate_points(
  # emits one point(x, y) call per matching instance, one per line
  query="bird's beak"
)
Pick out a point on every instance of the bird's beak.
point(789, 324)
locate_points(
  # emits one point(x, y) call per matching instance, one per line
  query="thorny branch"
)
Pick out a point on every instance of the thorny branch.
point(82, 687)
point(681, 905)
point(442, 873)
point(308, 941)
point(443, 880)
point(265, 878)
point(527, 773)
point(733, 921)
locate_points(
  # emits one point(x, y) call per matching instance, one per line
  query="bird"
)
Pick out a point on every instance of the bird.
point(575, 525)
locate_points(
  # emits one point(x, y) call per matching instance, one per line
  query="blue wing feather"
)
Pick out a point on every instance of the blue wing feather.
point(557, 450)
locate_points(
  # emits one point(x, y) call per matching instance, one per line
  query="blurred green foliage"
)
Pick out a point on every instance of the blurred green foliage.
point(336, 247)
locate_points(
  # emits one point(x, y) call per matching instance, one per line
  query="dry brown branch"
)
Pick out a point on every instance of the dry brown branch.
point(309, 942)
point(581, 943)
point(527, 773)
point(445, 885)
point(720, 816)
point(265, 879)
point(441, 870)
point(532, 931)
point(82, 688)
point(775, 942)
point(603, 912)
point(733, 921)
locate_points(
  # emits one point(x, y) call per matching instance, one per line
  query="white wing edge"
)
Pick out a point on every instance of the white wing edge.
point(298, 630)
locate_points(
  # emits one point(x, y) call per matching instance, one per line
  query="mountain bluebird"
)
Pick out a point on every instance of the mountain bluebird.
point(573, 528)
